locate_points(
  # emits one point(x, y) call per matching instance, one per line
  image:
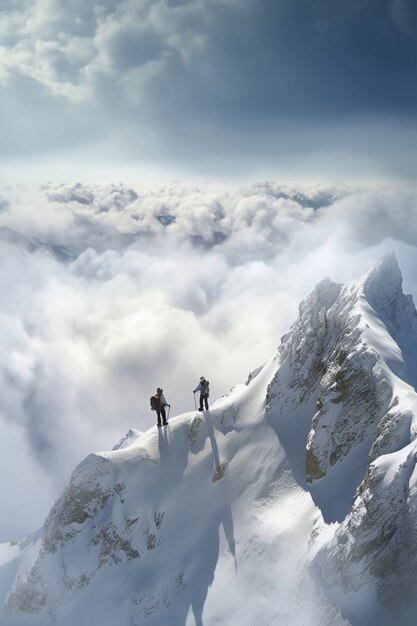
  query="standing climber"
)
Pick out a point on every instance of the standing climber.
point(203, 388)
point(158, 404)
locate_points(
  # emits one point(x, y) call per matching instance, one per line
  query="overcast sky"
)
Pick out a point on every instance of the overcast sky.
point(301, 89)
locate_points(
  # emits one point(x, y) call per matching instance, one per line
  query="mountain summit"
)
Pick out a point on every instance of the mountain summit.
point(347, 366)
point(292, 501)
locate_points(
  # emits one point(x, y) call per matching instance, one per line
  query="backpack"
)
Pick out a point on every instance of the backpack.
point(155, 402)
point(205, 387)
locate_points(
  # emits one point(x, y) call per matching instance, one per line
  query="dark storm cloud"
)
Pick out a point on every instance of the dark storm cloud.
point(305, 58)
point(203, 78)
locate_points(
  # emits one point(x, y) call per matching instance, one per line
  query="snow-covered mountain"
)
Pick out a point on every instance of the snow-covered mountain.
point(292, 501)
point(15, 238)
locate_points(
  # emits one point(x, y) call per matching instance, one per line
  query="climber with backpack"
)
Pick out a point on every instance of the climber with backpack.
point(158, 404)
point(203, 388)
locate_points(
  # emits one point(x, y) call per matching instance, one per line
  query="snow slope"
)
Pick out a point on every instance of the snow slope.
point(244, 514)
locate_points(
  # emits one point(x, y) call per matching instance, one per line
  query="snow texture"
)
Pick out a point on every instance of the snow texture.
point(292, 501)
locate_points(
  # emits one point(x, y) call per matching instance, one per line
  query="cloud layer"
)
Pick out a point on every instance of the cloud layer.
point(109, 292)
point(78, 50)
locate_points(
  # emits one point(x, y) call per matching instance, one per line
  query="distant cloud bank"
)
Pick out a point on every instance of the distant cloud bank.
point(110, 291)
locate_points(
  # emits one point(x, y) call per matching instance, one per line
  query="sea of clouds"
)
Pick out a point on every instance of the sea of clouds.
point(110, 291)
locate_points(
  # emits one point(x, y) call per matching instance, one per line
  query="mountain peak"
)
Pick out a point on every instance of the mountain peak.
point(323, 295)
point(382, 288)
point(384, 279)
point(157, 528)
point(387, 264)
point(338, 360)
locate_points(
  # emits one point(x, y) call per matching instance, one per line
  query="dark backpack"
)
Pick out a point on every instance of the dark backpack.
point(205, 387)
point(155, 402)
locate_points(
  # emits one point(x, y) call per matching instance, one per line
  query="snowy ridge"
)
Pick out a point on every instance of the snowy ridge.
point(297, 492)
point(351, 369)
point(169, 520)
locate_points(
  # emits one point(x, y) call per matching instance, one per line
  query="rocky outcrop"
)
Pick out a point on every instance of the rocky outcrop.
point(331, 365)
point(375, 547)
point(341, 396)
point(88, 531)
point(347, 381)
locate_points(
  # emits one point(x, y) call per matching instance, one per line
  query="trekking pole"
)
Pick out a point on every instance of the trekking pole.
point(195, 401)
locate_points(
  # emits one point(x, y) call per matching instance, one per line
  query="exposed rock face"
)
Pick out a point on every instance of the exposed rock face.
point(302, 350)
point(85, 514)
point(349, 362)
point(375, 548)
point(330, 362)
point(341, 396)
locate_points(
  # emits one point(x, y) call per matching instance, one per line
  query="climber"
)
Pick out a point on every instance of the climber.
point(203, 388)
point(158, 404)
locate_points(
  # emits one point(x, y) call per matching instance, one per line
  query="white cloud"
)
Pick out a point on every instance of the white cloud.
point(69, 48)
point(205, 88)
point(164, 284)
